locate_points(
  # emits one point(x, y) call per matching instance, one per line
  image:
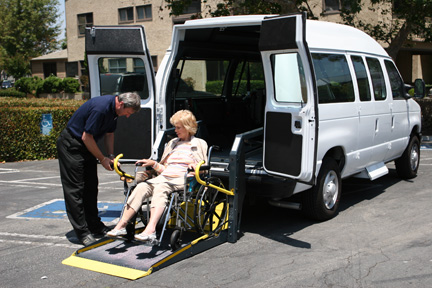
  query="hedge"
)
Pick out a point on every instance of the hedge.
point(20, 132)
point(21, 137)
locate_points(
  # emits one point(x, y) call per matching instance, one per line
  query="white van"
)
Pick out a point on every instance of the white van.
point(295, 105)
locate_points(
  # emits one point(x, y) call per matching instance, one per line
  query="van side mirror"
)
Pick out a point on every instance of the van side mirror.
point(419, 88)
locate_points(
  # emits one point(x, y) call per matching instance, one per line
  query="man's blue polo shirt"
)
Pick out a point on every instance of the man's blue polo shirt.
point(97, 117)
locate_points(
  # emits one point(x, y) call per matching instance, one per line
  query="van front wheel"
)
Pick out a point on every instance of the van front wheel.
point(407, 165)
point(322, 201)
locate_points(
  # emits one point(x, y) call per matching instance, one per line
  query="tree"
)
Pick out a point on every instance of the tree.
point(28, 30)
point(401, 19)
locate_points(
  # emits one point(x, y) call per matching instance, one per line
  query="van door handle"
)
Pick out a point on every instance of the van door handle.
point(376, 125)
point(297, 124)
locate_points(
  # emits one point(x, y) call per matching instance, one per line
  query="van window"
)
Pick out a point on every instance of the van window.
point(289, 79)
point(248, 77)
point(200, 78)
point(377, 76)
point(333, 78)
point(362, 78)
point(396, 82)
point(120, 75)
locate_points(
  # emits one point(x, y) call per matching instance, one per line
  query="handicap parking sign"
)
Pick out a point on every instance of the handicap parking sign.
point(46, 124)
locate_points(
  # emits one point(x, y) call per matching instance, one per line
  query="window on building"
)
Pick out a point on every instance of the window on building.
point(144, 13)
point(126, 15)
point(71, 69)
point(138, 65)
point(333, 78)
point(117, 65)
point(188, 12)
point(84, 20)
point(49, 68)
point(335, 6)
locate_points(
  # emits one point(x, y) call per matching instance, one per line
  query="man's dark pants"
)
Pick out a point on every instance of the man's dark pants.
point(78, 171)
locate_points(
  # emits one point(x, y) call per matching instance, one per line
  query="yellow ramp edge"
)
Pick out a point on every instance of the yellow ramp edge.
point(110, 269)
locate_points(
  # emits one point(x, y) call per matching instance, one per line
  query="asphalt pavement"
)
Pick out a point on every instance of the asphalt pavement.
point(382, 237)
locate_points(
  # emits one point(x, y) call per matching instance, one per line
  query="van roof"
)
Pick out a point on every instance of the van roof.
point(319, 34)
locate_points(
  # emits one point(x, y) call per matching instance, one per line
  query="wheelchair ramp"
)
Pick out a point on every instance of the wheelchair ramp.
point(133, 260)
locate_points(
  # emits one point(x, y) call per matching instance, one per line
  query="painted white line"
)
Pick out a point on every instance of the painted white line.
point(32, 236)
point(8, 171)
point(15, 182)
point(32, 179)
point(74, 246)
point(17, 215)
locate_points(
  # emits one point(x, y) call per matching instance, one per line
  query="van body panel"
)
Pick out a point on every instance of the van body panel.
point(326, 96)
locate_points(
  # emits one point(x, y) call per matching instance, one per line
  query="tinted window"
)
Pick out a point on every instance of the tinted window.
point(362, 78)
point(200, 78)
point(289, 78)
point(396, 82)
point(120, 75)
point(333, 77)
point(377, 76)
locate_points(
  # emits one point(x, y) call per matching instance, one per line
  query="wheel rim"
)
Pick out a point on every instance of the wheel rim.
point(414, 157)
point(330, 190)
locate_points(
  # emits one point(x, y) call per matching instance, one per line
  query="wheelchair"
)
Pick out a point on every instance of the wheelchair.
point(200, 208)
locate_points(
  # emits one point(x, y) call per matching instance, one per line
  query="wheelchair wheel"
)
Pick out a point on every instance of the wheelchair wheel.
point(211, 208)
point(175, 239)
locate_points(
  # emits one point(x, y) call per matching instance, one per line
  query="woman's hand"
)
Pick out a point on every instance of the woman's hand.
point(192, 166)
point(146, 162)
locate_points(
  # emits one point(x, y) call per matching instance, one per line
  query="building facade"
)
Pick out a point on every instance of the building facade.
point(414, 59)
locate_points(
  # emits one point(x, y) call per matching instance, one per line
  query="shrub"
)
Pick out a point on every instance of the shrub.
point(30, 85)
point(52, 84)
point(20, 133)
point(70, 85)
point(12, 92)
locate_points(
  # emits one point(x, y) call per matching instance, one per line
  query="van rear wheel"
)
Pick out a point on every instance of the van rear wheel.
point(322, 201)
point(407, 165)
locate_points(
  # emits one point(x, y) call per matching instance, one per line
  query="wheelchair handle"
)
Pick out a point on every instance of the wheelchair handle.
point(202, 168)
point(119, 170)
point(200, 181)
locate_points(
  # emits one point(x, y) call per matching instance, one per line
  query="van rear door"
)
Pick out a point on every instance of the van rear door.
point(290, 129)
point(118, 62)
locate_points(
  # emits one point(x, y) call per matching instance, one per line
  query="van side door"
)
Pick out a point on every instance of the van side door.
point(119, 62)
point(290, 128)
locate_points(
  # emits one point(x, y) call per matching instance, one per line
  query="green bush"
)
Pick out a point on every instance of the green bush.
point(216, 87)
point(12, 92)
point(36, 85)
point(70, 85)
point(20, 131)
point(52, 84)
point(30, 85)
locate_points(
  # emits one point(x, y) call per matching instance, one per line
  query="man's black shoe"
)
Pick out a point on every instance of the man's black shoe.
point(87, 240)
point(101, 232)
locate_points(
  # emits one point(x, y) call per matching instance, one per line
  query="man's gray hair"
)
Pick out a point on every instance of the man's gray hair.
point(130, 100)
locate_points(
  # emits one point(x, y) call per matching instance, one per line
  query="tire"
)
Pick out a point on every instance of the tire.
point(175, 239)
point(322, 201)
point(407, 165)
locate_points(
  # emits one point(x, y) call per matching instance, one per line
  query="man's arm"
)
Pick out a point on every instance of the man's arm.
point(109, 143)
point(91, 145)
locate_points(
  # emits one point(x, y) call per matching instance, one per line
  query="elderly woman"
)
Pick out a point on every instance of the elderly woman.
point(181, 153)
